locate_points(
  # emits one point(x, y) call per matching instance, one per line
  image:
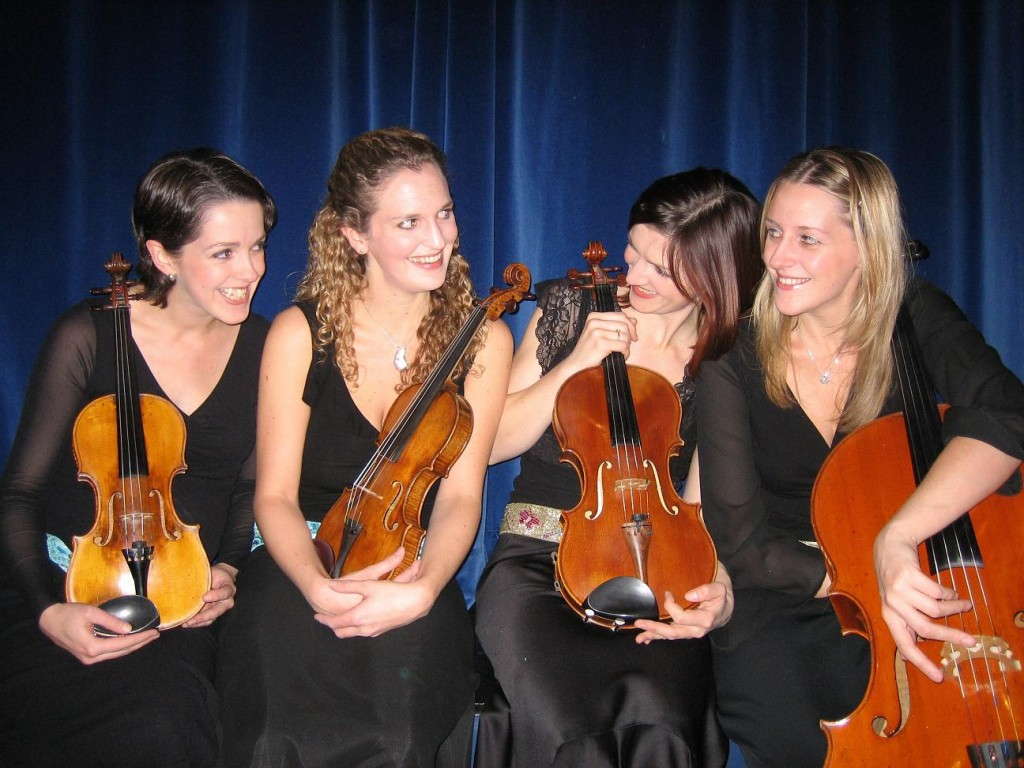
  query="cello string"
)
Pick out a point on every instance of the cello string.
point(916, 417)
point(925, 416)
point(929, 418)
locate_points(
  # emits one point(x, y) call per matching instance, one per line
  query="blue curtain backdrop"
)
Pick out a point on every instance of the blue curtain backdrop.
point(554, 116)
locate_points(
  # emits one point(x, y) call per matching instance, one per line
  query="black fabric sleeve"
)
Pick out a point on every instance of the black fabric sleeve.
point(57, 391)
point(236, 540)
point(756, 553)
point(986, 398)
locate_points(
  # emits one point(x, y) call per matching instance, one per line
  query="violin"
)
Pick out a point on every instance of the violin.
point(423, 434)
point(631, 537)
point(975, 716)
point(129, 447)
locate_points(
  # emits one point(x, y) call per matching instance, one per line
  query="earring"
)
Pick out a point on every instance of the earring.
point(173, 277)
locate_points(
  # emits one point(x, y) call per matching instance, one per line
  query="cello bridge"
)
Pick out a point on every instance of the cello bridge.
point(988, 648)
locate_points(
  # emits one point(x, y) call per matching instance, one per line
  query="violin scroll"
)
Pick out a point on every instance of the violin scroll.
point(597, 275)
point(118, 290)
point(504, 300)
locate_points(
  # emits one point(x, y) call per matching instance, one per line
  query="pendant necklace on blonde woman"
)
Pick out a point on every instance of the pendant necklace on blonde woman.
point(824, 376)
point(399, 360)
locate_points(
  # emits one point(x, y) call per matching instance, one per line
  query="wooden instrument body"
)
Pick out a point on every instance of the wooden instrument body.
point(389, 507)
point(593, 548)
point(179, 572)
point(905, 718)
point(425, 431)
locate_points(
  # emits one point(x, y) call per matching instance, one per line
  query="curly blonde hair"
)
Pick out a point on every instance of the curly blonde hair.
point(866, 190)
point(336, 274)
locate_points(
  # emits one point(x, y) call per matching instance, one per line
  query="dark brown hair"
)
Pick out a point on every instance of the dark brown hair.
point(172, 199)
point(710, 219)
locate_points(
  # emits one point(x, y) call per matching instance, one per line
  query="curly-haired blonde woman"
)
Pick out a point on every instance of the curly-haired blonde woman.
point(360, 671)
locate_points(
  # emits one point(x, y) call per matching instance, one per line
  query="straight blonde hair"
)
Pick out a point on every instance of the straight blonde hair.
point(870, 205)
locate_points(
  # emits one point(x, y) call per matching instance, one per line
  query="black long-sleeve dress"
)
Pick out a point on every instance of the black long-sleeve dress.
point(580, 695)
point(780, 663)
point(296, 695)
point(155, 706)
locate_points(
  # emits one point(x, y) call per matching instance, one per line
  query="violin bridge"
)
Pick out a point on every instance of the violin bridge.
point(364, 489)
point(631, 484)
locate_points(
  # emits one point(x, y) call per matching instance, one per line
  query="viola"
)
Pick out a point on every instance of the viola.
point(975, 716)
point(423, 434)
point(631, 537)
point(129, 447)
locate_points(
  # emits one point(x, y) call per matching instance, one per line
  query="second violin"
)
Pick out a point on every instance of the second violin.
point(424, 433)
point(631, 538)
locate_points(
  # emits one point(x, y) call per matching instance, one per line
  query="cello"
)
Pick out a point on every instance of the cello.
point(423, 434)
point(975, 716)
point(139, 561)
point(631, 537)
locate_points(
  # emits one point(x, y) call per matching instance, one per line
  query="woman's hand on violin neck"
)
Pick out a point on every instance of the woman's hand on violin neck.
point(70, 626)
point(219, 599)
point(714, 605)
point(603, 333)
point(381, 605)
point(910, 600)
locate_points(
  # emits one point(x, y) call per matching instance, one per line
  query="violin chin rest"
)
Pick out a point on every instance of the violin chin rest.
point(138, 611)
point(623, 600)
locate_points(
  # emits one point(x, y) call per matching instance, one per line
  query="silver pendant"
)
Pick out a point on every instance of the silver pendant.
point(399, 360)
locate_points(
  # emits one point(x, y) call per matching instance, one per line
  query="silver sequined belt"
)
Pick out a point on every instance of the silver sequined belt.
point(533, 520)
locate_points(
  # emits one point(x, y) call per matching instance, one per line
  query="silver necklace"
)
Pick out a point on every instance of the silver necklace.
point(399, 360)
point(824, 376)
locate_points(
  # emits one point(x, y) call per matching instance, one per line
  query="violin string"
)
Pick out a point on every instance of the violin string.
point(123, 411)
point(447, 361)
point(614, 367)
point(134, 429)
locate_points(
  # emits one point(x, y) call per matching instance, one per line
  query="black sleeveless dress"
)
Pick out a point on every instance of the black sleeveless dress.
point(579, 695)
point(296, 695)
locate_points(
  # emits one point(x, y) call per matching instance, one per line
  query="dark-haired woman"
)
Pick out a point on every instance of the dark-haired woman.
point(580, 695)
point(813, 364)
point(359, 671)
point(68, 696)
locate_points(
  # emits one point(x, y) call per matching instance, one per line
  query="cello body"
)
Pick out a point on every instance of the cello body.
point(975, 716)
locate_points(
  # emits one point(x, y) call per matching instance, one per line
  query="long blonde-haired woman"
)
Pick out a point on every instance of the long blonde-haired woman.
point(359, 671)
point(813, 364)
